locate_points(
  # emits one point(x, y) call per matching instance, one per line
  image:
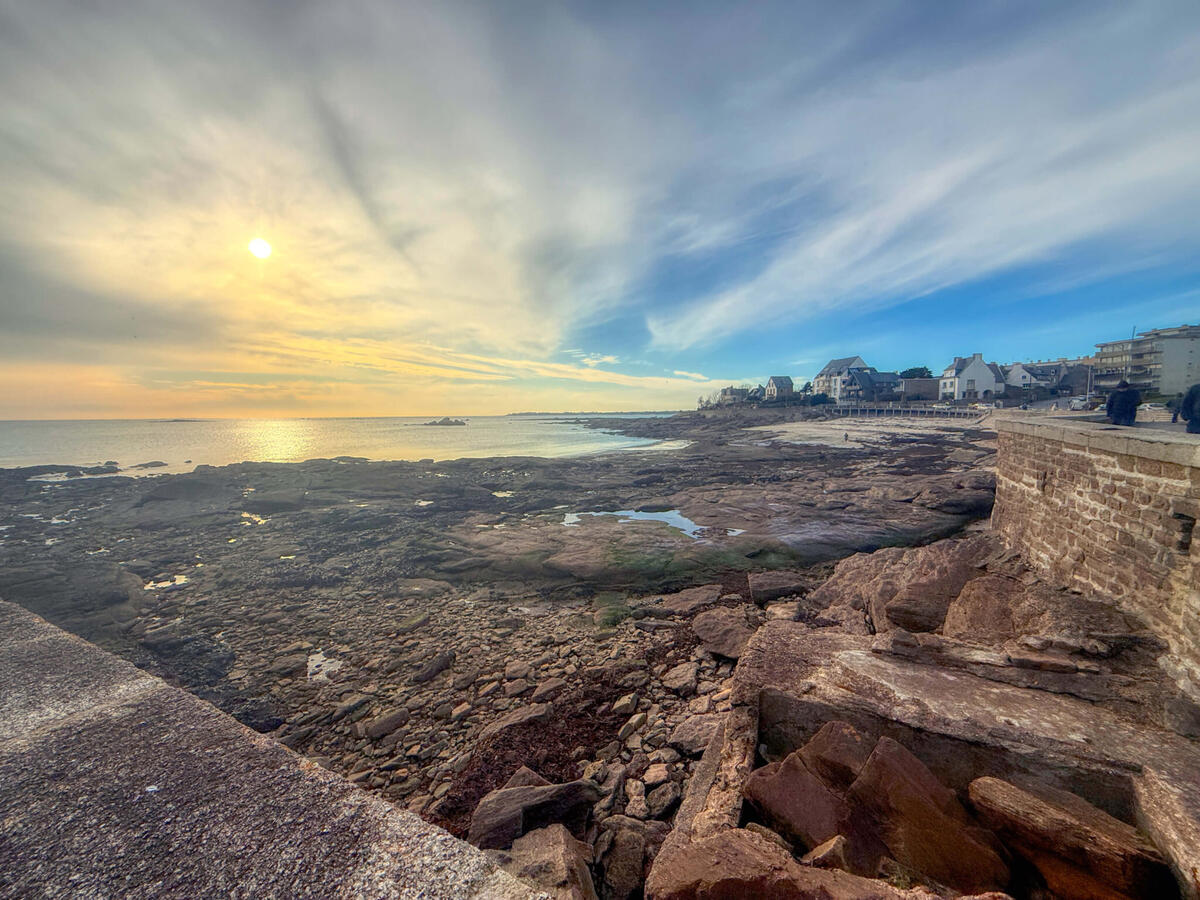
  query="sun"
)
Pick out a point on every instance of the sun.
point(260, 248)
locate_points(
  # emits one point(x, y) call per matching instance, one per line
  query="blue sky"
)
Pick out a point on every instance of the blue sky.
point(489, 207)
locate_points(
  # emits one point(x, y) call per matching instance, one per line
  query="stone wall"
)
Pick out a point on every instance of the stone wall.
point(1110, 511)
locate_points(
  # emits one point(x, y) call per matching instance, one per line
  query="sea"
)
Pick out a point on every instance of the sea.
point(182, 444)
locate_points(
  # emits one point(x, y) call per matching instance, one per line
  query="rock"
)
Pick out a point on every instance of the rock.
point(635, 802)
point(656, 775)
point(551, 860)
point(829, 855)
point(434, 667)
point(768, 586)
point(517, 688)
point(517, 669)
point(525, 777)
point(350, 705)
point(692, 735)
point(623, 864)
point(663, 798)
point(911, 589)
point(460, 712)
point(691, 600)
point(1080, 850)
point(682, 678)
point(625, 705)
point(922, 823)
point(505, 814)
point(796, 803)
point(548, 689)
point(737, 863)
point(522, 715)
point(723, 631)
point(836, 754)
point(635, 722)
point(387, 722)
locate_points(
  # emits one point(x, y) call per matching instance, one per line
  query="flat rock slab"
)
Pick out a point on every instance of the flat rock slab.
point(116, 784)
point(963, 726)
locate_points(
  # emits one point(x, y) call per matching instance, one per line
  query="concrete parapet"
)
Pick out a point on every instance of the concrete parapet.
point(115, 784)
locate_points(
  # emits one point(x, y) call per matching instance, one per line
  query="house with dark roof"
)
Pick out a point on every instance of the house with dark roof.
point(779, 387)
point(870, 386)
point(836, 376)
point(970, 378)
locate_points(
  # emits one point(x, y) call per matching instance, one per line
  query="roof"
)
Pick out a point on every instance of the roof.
point(839, 365)
point(780, 381)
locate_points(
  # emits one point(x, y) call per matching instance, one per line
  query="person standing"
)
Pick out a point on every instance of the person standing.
point(1122, 404)
point(1173, 405)
point(1189, 408)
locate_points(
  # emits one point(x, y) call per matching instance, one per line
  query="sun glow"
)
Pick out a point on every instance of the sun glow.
point(260, 248)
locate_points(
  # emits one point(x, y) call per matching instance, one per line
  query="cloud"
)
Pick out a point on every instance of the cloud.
point(458, 193)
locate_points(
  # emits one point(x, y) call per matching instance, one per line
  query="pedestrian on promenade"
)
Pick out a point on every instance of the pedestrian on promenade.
point(1173, 405)
point(1189, 408)
point(1122, 404)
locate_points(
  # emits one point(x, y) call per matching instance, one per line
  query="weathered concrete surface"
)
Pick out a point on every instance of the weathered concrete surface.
point(962, 725)
point(114, 784)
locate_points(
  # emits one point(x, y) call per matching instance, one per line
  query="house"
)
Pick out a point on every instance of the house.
point(920, 388)
point(757, 394)
point(970, 378)
point(779, 387)
point(869, 386)
point(731, 396)
point(835, 377)
point(1027, 375)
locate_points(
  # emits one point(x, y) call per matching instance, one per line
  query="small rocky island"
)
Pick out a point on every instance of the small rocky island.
point(445, 420)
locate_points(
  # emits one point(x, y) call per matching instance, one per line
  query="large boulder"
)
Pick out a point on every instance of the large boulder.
point(553, 861)
point(796, 803)
point(739, 863)
point(1080, 850)
point(910, 589)
point(837, 754)
point(723, 631)
point(923, 825)
point(505, 814)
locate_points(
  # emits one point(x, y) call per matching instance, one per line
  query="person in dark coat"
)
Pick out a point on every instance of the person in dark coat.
point(1122, 404)
point(1189, 408)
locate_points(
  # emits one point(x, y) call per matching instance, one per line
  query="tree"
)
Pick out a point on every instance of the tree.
point(807, 389)
point(917, 372)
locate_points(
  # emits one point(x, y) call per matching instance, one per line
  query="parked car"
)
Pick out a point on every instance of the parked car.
point(1146, 407)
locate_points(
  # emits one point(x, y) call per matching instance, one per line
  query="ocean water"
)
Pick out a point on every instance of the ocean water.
point(184, 444)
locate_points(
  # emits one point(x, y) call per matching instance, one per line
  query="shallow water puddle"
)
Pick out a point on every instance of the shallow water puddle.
point(672, 517)
point(253, 519)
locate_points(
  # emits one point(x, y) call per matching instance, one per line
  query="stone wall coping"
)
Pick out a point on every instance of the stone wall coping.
point(1145, 442)
point(116, 784)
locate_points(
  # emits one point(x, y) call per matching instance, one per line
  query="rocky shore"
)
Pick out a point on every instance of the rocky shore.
point(497, 644)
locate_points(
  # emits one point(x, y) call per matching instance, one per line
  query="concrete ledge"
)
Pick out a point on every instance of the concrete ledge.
point(1144, 441)
point(116, 784)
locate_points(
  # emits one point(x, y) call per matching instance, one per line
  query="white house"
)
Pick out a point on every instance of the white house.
point(971, 378)
point(836, 377)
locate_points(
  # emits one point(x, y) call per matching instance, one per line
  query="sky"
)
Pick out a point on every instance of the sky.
point(490, 207)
